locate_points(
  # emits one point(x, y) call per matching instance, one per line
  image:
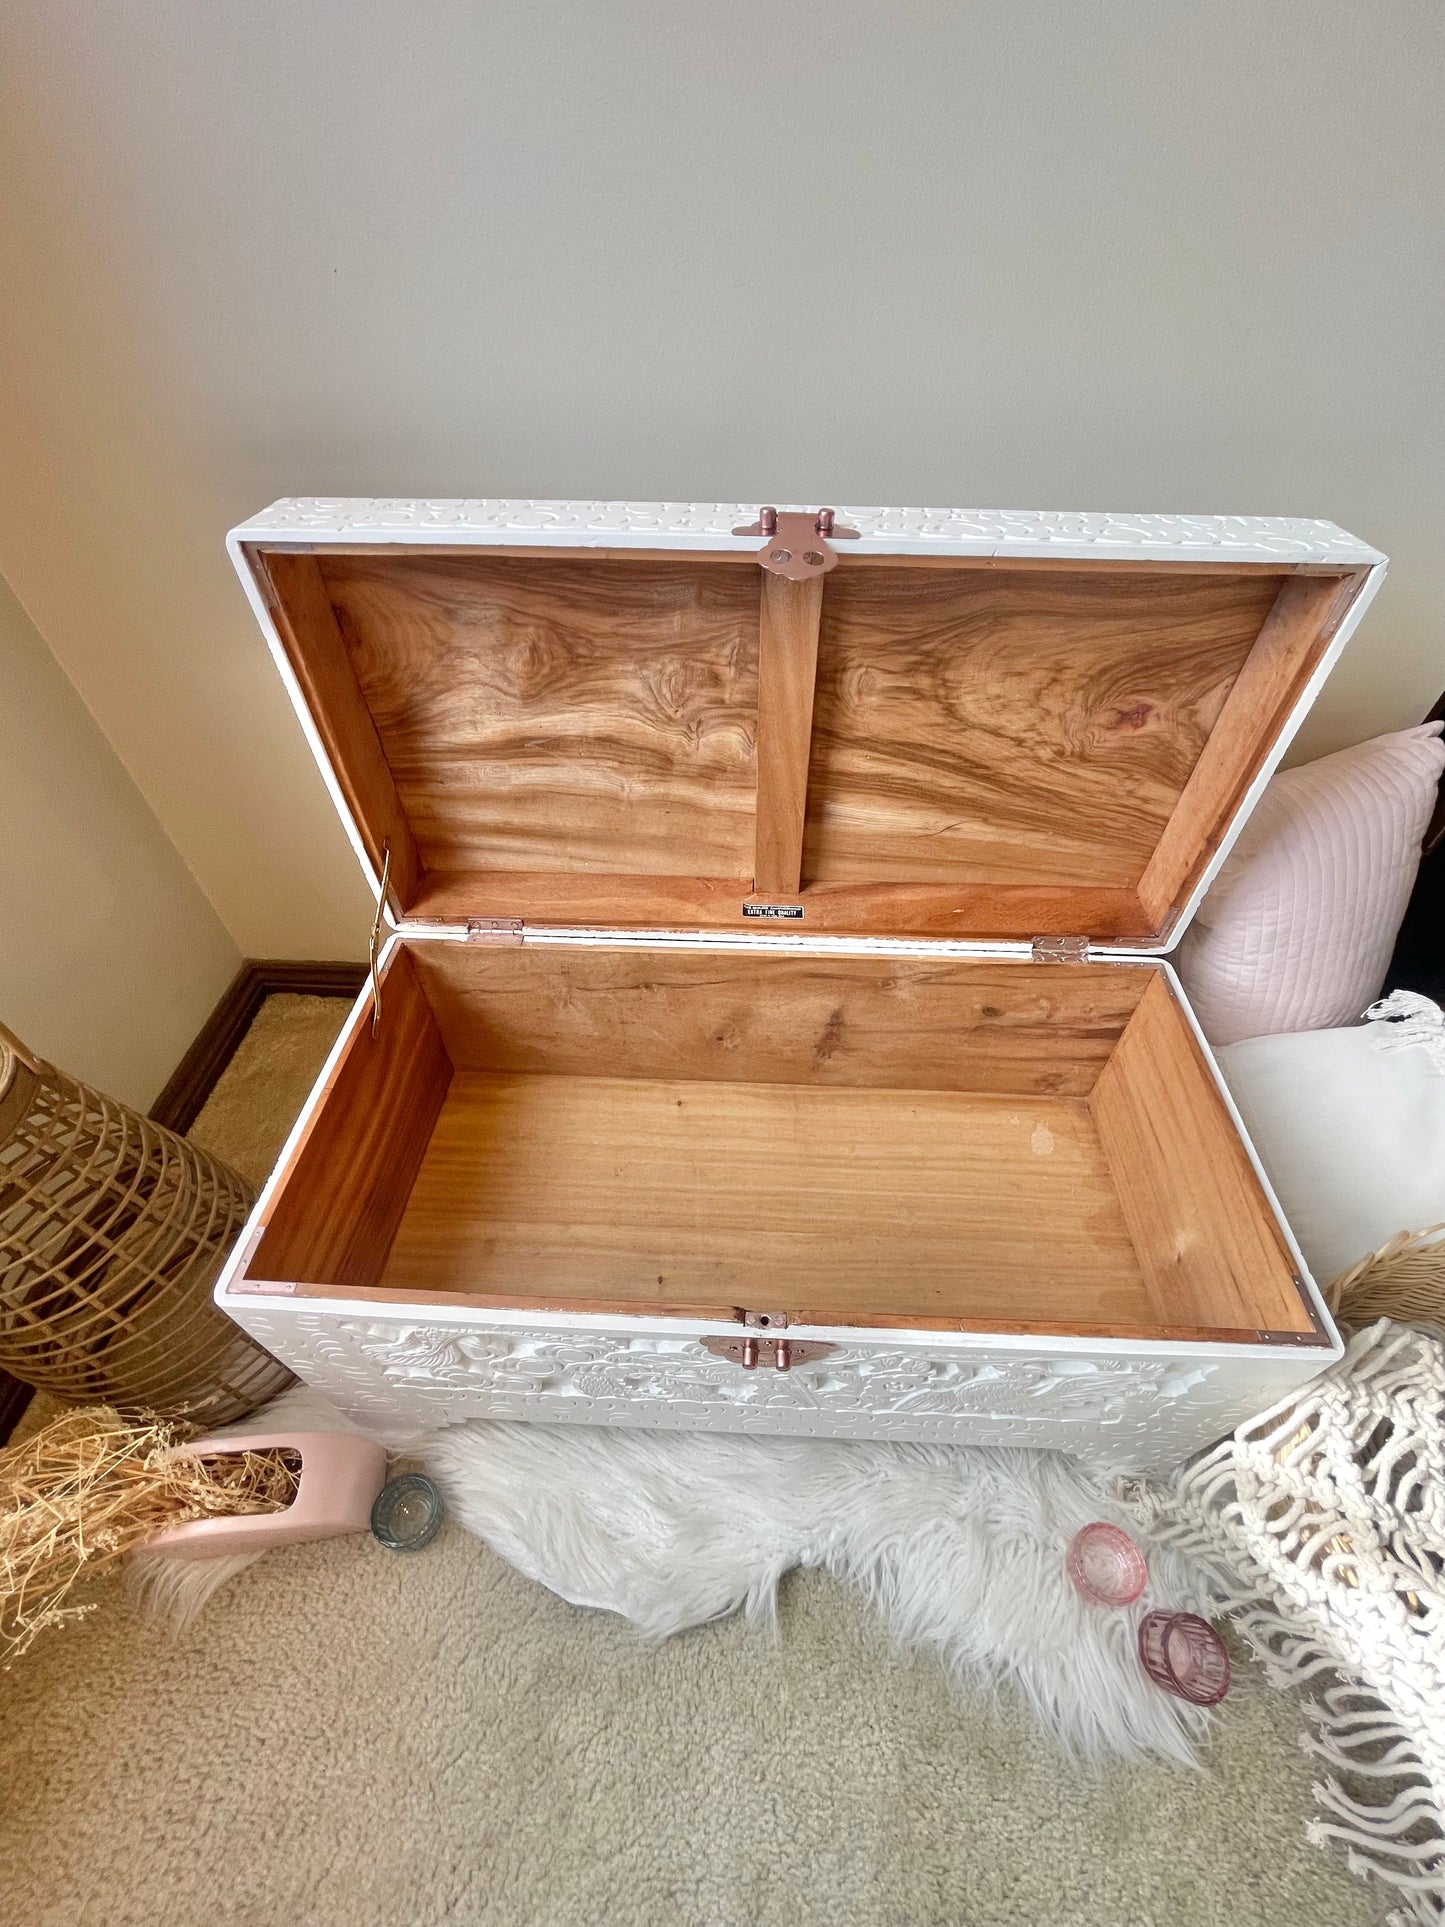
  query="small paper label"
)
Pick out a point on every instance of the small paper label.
point(793, 910)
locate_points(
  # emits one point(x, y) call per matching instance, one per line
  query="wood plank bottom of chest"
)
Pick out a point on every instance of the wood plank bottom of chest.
point(860, 1206)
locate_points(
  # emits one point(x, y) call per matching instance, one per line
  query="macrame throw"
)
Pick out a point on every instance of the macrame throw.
point(1404, 1279)
point(1323, 1525)
point(1412, 1022)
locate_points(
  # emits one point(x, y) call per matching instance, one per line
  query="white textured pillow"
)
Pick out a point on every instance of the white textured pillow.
point(1350, 1126)
point(1296, 931)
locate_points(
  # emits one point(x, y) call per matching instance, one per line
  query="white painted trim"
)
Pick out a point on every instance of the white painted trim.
point(749, 939)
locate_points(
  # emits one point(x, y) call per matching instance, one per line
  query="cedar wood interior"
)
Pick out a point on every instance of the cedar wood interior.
point(954, 1143)
point(905, 747)
point(933, 747)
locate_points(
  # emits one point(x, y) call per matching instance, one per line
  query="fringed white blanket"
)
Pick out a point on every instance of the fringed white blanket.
point(1323, 1525)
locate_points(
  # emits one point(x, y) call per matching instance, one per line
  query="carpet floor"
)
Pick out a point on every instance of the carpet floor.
point(348, 1738)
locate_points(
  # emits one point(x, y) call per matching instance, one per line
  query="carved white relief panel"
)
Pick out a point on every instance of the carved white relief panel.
point(400, 1378)
point(1284, 538)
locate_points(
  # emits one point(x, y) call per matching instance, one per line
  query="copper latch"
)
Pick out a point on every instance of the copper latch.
point(782, 1354)
point(750, 1350)
point(795, 545)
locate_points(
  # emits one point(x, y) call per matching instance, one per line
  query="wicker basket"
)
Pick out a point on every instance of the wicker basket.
point(1403, 1280)
point(112, 1231)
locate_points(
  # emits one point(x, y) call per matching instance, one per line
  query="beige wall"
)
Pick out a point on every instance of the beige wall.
point(110, 956)
point(1135, 254)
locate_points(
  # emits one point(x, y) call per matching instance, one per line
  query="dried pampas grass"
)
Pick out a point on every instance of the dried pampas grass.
point(91, 1486)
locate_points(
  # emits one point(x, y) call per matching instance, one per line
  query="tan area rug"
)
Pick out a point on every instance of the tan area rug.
point(348, 1738)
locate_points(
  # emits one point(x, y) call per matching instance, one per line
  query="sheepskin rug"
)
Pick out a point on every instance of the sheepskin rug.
point(960, 1551)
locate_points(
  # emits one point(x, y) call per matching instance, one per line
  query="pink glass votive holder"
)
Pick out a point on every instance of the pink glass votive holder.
point(1182, 1653)
point(1106, 1566)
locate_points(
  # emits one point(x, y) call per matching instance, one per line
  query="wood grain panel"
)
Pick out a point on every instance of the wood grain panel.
point(839, 1206)
point(1014, 727)
point(787, 666)
point(840, 909)
point(306, 624)
point(1008, 748)
point(1303, 617)
point(332, 1219)
point(902, 1023)
point(561, 714)
point(1206, 1238)
point(996, 750)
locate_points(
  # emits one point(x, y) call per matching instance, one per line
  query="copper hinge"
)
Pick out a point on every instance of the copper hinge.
point(796, 545)
point(495, 930)
point(777, 1354)
point(1060, 950)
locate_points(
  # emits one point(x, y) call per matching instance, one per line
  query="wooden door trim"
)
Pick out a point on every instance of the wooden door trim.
point(216, 1043)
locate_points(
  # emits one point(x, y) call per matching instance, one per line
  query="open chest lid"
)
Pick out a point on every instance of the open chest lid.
point(917, 723)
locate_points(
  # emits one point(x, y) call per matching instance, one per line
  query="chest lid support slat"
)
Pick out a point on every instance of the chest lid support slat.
point(787, 672)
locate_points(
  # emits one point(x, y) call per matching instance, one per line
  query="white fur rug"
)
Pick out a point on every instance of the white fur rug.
point(960, 1550)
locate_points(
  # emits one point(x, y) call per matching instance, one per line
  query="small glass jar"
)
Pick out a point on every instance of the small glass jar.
point(408, 1513)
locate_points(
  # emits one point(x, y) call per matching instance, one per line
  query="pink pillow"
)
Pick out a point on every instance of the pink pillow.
point(1296, 931)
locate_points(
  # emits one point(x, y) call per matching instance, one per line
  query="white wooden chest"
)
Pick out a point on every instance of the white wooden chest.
point(772, 1028)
